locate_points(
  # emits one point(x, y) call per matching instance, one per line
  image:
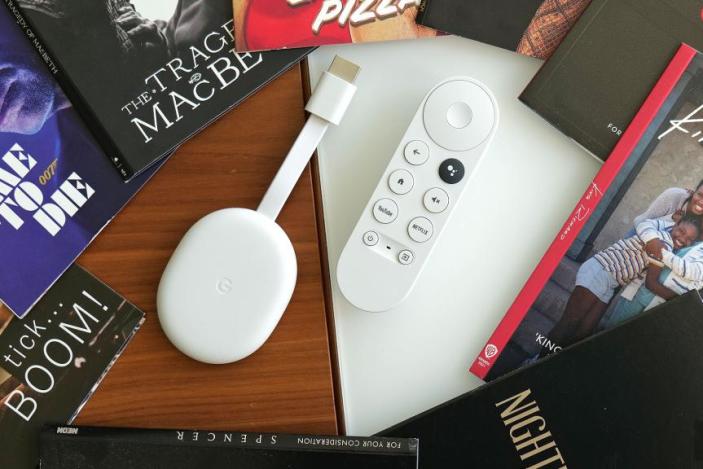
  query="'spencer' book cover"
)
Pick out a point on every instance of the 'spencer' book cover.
point(628, 398)
point(603, 71)
point(146, 75)
point(57, 188)
point(635, 239)
point(53, 360)
point(286, 24)
point(70, 447)
point(530, 27)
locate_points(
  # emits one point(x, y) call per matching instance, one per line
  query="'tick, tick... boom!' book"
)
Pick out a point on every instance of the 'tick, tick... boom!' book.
point(284, 24)
point(57, 188)
point(146, 75)
point(52, 360)
point(111, 448)
point(635, 240)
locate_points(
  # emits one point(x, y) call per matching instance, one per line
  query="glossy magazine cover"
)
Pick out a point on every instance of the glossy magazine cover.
point(54, 359)
point(287, 24)
point(634, 241)
point(57, 188)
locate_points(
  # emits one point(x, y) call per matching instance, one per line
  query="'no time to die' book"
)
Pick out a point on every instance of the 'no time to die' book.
point(57, 188)
point(634, 240)
point(52, 360)
point(628, 398)
point(103, 448)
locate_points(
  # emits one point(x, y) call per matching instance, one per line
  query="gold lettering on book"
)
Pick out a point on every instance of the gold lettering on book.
point(528, 432)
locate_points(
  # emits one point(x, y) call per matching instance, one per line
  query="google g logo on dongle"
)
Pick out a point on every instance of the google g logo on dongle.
point(224, 286)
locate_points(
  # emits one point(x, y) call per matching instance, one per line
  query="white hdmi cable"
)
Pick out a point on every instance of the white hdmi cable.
point(327, 105)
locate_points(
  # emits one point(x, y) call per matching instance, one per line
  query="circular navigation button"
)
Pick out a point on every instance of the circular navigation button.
point(451, 171)
point(460, 115)
point(420, 229)
point(401, 182)
point(370, 238)
point(416, 152)
point(385, 211)
point(436, 200)
point(406, 257)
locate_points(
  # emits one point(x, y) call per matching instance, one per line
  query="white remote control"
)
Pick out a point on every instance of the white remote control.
point(416, 196)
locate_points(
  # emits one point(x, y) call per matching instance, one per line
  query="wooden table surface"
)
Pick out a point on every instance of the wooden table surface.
point(287, 385)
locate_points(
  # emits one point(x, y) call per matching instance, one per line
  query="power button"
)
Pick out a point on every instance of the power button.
point(370, 238)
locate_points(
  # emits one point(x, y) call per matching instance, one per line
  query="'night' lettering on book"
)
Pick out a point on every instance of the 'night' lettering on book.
point(19, 196)
point(534, 444)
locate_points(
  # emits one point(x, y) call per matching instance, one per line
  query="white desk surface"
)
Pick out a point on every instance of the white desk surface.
point(396, 364)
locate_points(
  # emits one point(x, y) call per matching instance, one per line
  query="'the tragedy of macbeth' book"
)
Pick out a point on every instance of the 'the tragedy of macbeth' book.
point(146, 75)
point(57, 188)
point(53, 359)
point(634, 241)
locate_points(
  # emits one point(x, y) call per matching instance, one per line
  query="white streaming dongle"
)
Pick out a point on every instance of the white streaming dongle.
point(232, 276)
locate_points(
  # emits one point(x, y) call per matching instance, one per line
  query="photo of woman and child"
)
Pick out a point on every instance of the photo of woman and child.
point(633, 242)
point(660, 258)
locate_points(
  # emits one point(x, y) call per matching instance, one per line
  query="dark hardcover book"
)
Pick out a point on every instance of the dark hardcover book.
point(70, 447)
point(57, 188)
point(600, 75)
point(530, 27)
point(634, 240)
point(54, 359)
point(627, 398)
point(146, 75)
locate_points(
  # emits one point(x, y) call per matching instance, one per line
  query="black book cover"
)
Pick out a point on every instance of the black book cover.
point(53, 359)
point(70, 447)
point(628, 398)
point(596, 81)
point(531, 27)
point(146, 75)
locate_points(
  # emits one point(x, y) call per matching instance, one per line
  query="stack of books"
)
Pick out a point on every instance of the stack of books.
point(594, 364)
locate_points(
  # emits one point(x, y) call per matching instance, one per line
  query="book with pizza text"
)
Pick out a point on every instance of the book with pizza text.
point(290, 24)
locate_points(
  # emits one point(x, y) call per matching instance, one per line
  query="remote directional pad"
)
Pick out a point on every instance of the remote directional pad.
point(413, 201)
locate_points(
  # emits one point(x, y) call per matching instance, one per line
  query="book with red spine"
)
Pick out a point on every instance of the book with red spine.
point(603, 267)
